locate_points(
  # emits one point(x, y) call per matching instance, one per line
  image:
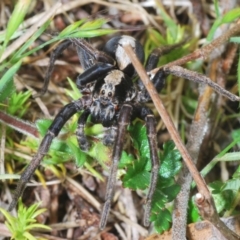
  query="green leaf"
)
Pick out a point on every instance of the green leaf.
point(29, 236)
point(75, 93)
point(171, 191)
point(236, 135)
point(216, 7)
point(227, 18)
point(72, 27)
point(235, 39)
point(6, 82)
point(19, 12)
point(8, 216)
point(90, 34)
point(231, 15)
point(94, 130)
point(166, 191)
point(17, 104)
point(95, 24)
point(39, 47)
point(140, 140)
point(232, 184)
point(100, 152)
point(213, 29)
point(170, 24)
point(193, 213)
point(161, 220)
point(237, 173)
point(80, 156)
point(37, 212)
point(29, 42)
point(238, 75)
point(171, 164)
point(43, 125)
point(223, 198)
point(37, 225)
point(137, 177)
point(19, 226)
point(126, 159)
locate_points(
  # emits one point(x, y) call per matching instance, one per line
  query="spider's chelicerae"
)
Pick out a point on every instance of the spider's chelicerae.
point(109, 97)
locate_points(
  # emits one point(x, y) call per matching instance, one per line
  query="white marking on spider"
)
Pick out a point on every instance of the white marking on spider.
point(122, 58)
point(114, 77)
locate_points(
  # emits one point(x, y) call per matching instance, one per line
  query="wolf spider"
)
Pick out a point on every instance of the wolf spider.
point(110, 97)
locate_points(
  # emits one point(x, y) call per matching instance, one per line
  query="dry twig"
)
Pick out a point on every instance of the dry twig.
point(207, 204)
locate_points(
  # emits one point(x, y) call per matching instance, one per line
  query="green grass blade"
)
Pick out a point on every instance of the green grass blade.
point(238, 75)
point(8, 216)
point(91, 33)
point(231, 15)
point(216, 7)
point(66, 31)
point(16, 19)
point(6, 82)
point(19, 53)
point(28, 236)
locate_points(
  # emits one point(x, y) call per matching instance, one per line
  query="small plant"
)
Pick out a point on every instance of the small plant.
point(137, 174)
point(21, 225)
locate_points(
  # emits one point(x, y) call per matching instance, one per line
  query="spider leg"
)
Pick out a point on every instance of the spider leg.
point(110, 135)
point(81, 137)
point(65, 113)
point(152, 139)
point(158, 79)
point(97, 71)
point(55, 54)
point(88, 55)
point(123, 121)
point(146, 114)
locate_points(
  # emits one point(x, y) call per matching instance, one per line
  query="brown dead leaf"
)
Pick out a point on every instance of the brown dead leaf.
point(108, 236)
point(202, 230)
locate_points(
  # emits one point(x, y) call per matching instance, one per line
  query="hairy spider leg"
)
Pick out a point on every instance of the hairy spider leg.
point(65, 113)
point(81, 137)
point(127, 114)
point(123, 122)
point(89, 56)
point(98, 71)
point(158, 79)
point(55, 54)
point(146, 115)
point(152, 139)
point(110, 135)
point(83, 143)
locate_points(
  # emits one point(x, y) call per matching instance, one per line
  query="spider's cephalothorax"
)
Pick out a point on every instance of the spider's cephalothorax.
point(114, 84)
point(109, 97)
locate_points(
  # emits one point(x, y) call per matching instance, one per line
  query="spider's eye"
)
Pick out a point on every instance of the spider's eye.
point(110, 94)
point(103, 92)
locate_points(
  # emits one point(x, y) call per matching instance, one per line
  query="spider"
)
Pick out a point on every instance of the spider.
point(110, 97)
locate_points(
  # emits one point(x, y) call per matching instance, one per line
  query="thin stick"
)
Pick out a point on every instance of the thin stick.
point(166, 119)
point(200, 78)
point(204, 52)
point(205, 203)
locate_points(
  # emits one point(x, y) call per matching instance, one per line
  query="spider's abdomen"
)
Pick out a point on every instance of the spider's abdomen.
point(114, 48)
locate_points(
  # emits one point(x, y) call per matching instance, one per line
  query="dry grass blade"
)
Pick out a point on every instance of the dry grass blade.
point(204, 52)
point(21, 40)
